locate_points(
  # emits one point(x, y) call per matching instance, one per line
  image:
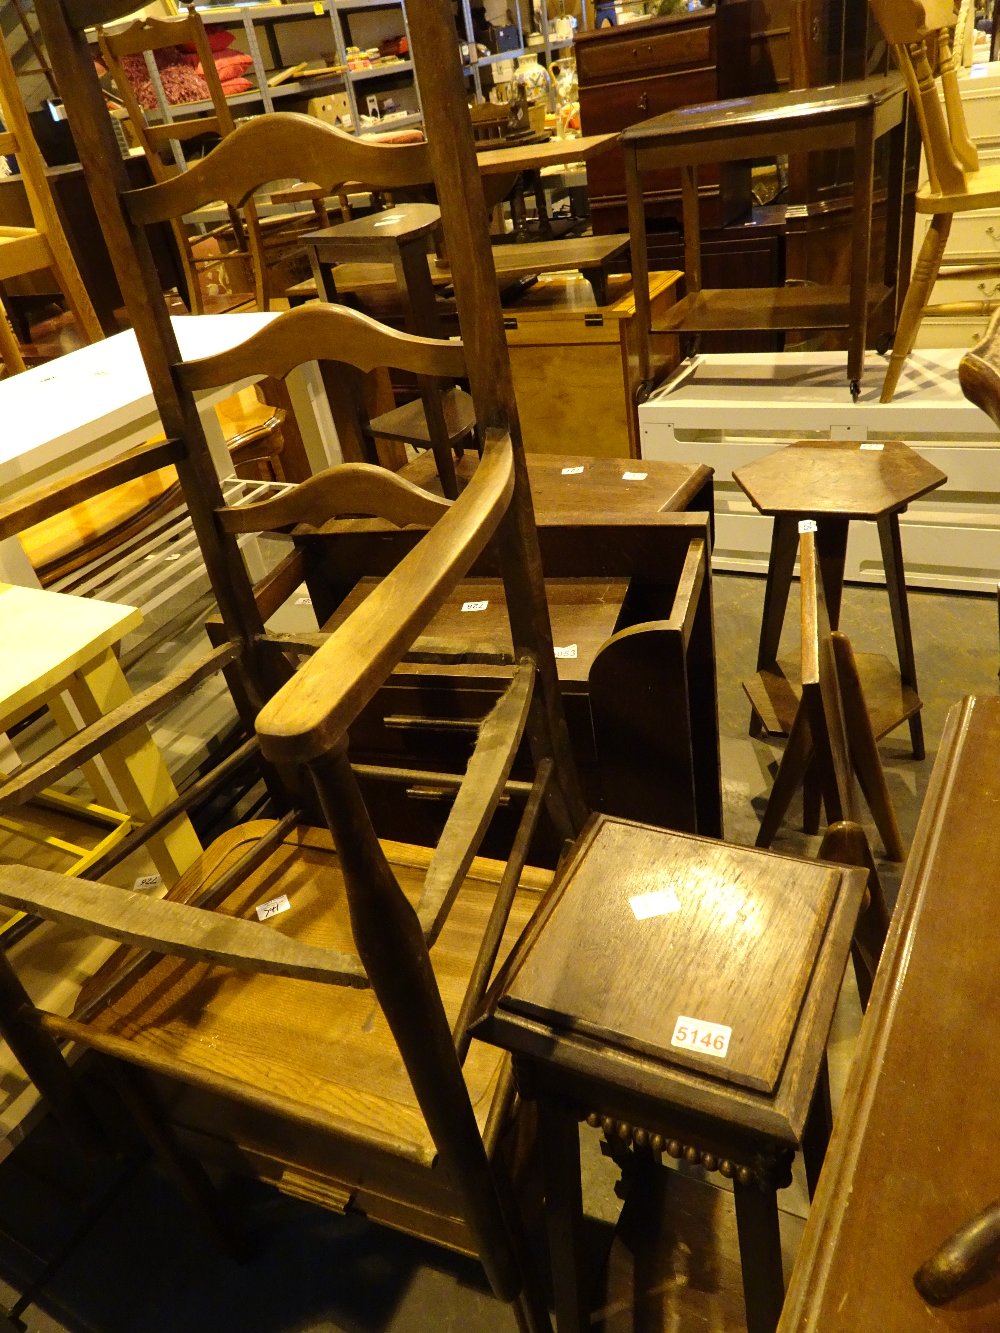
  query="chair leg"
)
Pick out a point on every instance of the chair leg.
point(10, 348)
point(846, 843)
point(925, 273)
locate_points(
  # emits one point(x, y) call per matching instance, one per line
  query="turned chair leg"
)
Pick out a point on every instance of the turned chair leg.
point(925, 273)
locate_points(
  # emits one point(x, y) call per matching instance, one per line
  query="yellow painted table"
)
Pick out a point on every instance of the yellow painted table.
point(59, 651)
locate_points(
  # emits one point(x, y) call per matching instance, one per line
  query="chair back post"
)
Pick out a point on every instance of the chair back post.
point(452, 152)
point(63, 24)
point(391, 946)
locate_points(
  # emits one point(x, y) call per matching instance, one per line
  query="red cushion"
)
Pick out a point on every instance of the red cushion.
point(218, 40)
point(232, 86)
point(232, 65)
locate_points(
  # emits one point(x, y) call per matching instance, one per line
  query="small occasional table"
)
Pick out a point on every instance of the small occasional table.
point(847, 115)
point(833, 482)
point(678, 993)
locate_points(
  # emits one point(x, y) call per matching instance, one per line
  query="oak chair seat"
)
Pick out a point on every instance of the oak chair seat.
point(209, 1027)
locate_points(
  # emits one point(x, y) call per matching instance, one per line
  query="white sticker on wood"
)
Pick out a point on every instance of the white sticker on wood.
point(658, 902)
point(567, 650)
point(634, 476)
point(807, 525)
point(146, 883)
point(571, 471)
point(701, 1037)
point(474, 606)
point(272, 907)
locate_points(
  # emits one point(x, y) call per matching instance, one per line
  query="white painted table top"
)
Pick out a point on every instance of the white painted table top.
point(49, 635)
point(57, 408)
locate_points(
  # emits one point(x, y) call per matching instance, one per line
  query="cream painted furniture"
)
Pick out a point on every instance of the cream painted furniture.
point(95, 403)
point(975, 236)
point(60, 654)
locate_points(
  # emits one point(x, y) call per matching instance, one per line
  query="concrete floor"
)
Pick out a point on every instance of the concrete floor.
point(145, 1268)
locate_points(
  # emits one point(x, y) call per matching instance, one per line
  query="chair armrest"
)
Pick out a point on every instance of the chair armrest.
point(172, 928)
point(979, 372)
point(310, 715)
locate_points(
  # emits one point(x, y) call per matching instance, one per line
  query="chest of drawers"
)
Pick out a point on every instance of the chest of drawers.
point(630, 73)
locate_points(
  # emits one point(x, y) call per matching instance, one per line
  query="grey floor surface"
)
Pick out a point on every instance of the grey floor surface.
point(144, 1267)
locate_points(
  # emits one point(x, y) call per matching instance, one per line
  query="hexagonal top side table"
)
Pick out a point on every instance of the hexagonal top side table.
point(833, 482)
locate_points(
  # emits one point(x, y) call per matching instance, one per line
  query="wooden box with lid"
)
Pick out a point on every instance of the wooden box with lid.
point(575, 363)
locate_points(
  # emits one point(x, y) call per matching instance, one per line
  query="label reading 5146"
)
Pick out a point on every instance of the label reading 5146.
point(694, 1034)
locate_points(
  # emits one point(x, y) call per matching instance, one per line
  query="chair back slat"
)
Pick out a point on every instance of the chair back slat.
point(355, 489)
point(274, 147)
point(965, 149)
point(325, 333)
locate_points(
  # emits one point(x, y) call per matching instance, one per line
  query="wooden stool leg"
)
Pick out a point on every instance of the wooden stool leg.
point(864, 752)
point(135, 764)
point(924, 276)
point(895, 585)
point(831, 551)
point(791, 771)
point(559, 1136)
point(760, 1255)
point(846, 844)
point(780, 564)
point(864, 169)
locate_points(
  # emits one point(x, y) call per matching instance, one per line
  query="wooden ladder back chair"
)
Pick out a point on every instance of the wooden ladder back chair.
point(43, 244)
point(920, 33)
point(427, 926)
point(831, 742)
point(149, 35)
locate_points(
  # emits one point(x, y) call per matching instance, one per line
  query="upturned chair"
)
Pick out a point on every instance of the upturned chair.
point(43, 244)
point(920, 33)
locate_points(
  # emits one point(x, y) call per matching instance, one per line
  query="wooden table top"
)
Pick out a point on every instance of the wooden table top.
point(554, 152)
point(614, 960)
point(795, 109)
point(839, 477)
point(404, 222)
point(51, 636)
point(565, 487)
point(912, 1155)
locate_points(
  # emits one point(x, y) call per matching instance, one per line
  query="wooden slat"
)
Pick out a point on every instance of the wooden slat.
point(172, 928)
point(43, 501)
point(112, 728)
point(352, 488)
point(486, 775)
point(324, 333)
point(310, 715)
point(275, 147)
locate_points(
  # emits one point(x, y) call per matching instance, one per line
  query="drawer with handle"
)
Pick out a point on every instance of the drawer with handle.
point(619, 55)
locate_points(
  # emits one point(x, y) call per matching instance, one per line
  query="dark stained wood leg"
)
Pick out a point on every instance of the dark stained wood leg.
point(895, 584)
point(559, 1136)
point(791, 772)
point(325, 288)
point(846, 844)
point(780, 564)
point(760, 1254)
point(864, 751)
point(819, 1126)
point(831, 549)
point(812, 800)
point(640, 267)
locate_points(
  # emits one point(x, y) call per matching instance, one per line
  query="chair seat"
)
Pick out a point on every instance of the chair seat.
point(252, 1037)
point(409, 422)
point(983, 192)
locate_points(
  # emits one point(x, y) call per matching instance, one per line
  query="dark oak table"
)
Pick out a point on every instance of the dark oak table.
point(848, 115)
point(833, 482)
point(678, 992)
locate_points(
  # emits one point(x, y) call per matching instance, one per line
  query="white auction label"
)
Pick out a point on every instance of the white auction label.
point(873, 448)
point(303, 601)
point(272, 907)
point(634, 476)
point(694, 1034)
point(474, 606)
point(147, 882)
point(571, 471)
point(660, 902)
point(567, 650)
point(807, 525)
